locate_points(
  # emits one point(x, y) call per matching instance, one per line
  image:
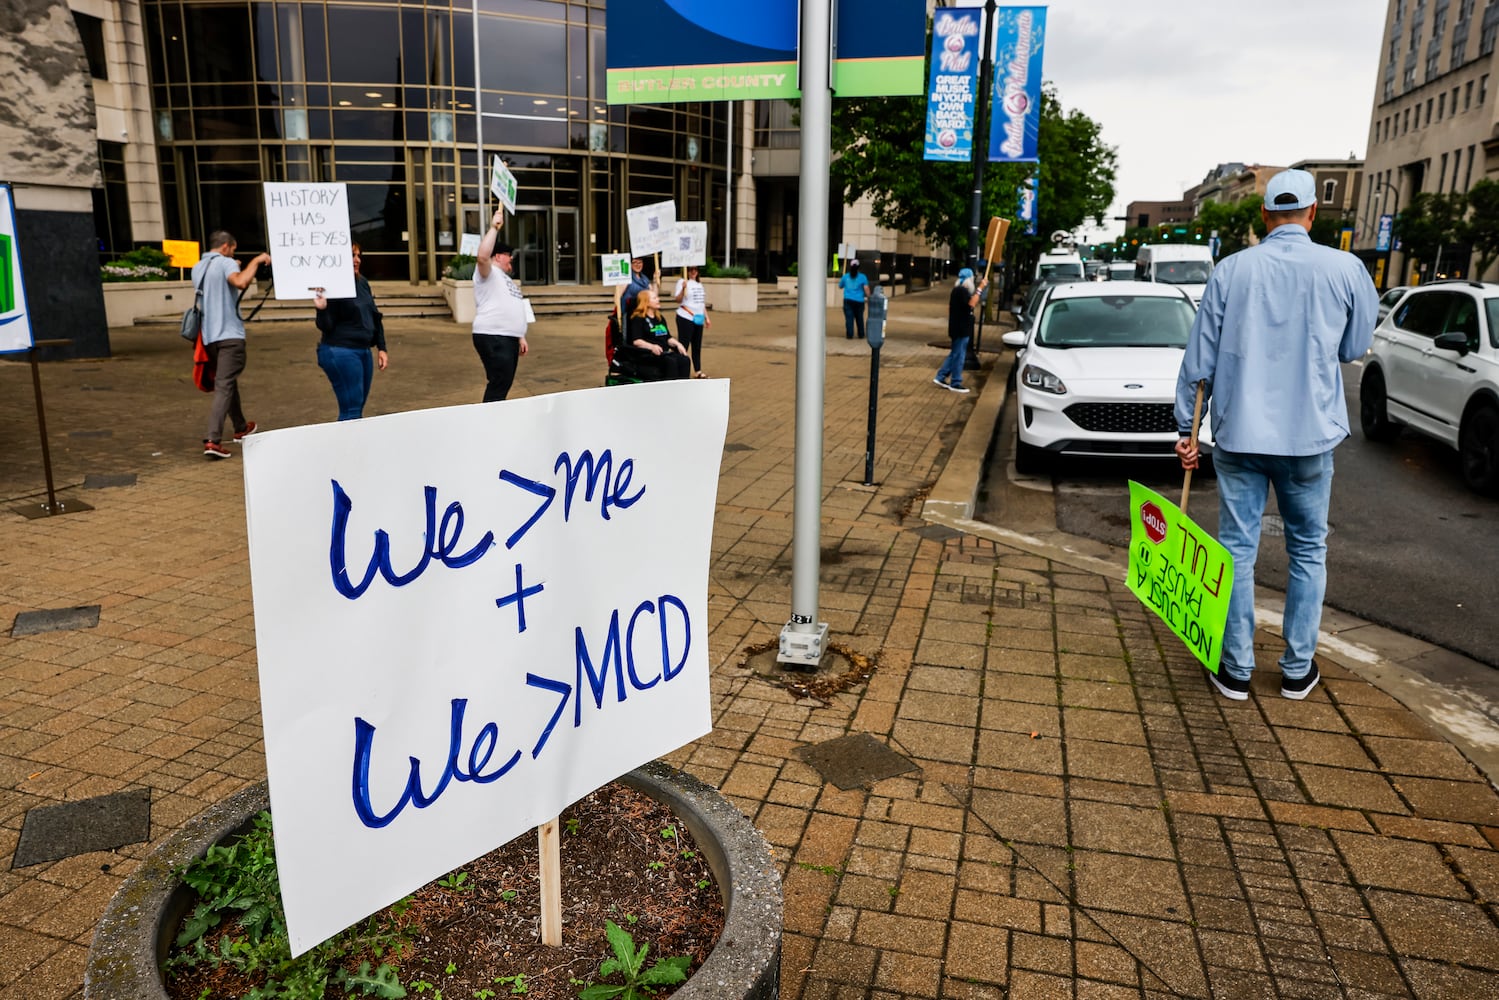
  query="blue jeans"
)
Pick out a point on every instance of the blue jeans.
point(1303, 487)
point(853, 315)
point(350, 370)
point(951, 371)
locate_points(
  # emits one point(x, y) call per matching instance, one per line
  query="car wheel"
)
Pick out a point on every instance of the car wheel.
point(1373, 411)
point(1029, 460)
point(1478, 449)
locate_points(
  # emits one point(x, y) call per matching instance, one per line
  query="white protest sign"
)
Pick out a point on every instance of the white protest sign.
point(615, 267)
point(468, 244)
point(689, 246)
point(308, 228)
point(502, 185)
point(15, 322)
point(651, 227)
point(456, 641)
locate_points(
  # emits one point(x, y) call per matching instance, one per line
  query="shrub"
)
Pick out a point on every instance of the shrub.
point(143, 264)
point(713, 270)
point(461, 267)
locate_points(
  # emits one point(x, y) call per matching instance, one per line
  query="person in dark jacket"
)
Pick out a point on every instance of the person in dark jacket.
point(350, 327)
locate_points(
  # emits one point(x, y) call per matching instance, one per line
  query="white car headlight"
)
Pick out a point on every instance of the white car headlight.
point(1035, 377)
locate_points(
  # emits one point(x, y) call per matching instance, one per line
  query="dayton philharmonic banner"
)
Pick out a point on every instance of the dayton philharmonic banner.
point(954, 82)
point(1015, 123)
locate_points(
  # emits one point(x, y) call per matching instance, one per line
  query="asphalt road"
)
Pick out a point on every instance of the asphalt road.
point(1410, 548)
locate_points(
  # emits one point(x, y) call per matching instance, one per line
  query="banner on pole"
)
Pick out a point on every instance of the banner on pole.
point(953, 86)
point(1386, 229)
point(1180, 572)
point(1015, 122)
point(15, 320)
point(651, 227)
point(689, 246)
point(307, 225)
point(502, 185)
point(456, 644)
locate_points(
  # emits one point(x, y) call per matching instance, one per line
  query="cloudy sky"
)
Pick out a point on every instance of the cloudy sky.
point(1180, 87)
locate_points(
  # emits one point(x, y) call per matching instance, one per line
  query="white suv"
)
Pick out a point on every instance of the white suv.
point(1434, 367)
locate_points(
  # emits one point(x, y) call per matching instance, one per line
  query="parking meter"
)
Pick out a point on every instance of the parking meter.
point(874, 329)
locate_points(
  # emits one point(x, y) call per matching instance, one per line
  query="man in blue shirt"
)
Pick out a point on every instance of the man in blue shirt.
point(1275, 321)
point(221, 280)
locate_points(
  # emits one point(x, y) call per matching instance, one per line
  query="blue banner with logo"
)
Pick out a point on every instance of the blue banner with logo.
point(1015, 123)
point(952, 90)
point(1386, 228)
point(1026, 212)
point(15, 322)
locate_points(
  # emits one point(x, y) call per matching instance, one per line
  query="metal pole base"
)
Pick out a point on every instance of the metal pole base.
point(801, 649)
point(34, 511)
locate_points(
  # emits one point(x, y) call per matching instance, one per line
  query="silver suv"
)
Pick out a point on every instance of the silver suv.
point(1434, 368)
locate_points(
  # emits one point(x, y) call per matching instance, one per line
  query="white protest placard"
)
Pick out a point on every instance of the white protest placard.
point(455, 644)
point(308, 228)
point(651, 227)
point(468, 244)
point(15, 321)
point(689, 246)
point(615, 267)
point(502, 185)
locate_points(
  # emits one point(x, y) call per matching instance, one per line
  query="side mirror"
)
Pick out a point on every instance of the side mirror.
point(1013, 338)
point(1452, 340)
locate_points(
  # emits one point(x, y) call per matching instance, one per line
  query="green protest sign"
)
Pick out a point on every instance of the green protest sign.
point(1180, 572)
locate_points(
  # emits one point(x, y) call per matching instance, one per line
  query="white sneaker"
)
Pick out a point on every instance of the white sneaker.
point(938, 381)
point(958, 388)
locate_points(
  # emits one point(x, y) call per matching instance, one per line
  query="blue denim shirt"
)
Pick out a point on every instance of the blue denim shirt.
point(1275, 322)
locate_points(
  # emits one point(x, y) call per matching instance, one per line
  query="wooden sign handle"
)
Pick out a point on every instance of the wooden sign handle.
point(551, 883)
point(1196, 421)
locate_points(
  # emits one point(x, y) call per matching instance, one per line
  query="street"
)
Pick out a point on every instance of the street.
point(1410, 546)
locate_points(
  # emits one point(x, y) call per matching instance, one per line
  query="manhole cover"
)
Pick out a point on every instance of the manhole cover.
point(51, 833)
point(55, 620)
point(104, 481)
point(855, 760)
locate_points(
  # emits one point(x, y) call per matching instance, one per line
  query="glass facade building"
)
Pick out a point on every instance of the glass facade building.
point(395, 98)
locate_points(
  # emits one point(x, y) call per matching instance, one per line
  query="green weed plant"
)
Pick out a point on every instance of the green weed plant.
point(629, 964)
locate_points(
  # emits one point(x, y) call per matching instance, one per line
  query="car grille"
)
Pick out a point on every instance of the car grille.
point(1123, 418)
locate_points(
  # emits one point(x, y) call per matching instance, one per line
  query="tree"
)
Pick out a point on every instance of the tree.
point(1481, 228)
point(1234, 221)
point(878, 144)
point(1430, 222)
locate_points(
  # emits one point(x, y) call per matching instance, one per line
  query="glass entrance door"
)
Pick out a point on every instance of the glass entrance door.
point(432, 212)
point(529, 231)
point(565, 253)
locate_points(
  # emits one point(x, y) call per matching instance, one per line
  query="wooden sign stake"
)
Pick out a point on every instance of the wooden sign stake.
point(551, 883)
point(1196, 420)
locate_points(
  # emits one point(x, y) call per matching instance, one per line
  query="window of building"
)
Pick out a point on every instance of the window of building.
point(1468, 95)
point(112, 201)
point(1483, 88)
point(91, 30)
point(1442, 175)
point(1468, 177)
point(1432, 59)
point(1329, 191)
point(1441, 107)
point(1457, 161)
point(1405, 125)
point(1428, 111)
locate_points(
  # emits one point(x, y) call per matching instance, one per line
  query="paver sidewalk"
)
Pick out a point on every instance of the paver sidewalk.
point(1086, 819)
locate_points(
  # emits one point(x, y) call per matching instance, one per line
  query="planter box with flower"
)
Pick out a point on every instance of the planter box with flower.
point(730, 289)
point(142, 283)
point(458, 287)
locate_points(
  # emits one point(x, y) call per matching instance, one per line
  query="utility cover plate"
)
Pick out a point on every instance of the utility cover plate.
point(55, 620)
point(102, 823)
point(855, 760)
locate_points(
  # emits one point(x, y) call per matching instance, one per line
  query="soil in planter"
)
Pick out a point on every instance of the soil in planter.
point(625, 858)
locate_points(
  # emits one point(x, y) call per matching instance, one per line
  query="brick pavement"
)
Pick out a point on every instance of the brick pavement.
point(1087, 819)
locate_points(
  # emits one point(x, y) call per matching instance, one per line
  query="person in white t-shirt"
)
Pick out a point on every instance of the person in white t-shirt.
point(692, 316)
point(499, 313)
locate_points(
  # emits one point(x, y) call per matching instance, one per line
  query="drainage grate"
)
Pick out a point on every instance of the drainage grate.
point(855, 760)
point(51, 833)
point(104, 481)
point(55, 620)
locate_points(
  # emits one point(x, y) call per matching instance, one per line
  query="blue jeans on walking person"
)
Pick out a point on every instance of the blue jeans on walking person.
point(853, 316)
point(951, 371)
point(1303, 488)
point(350, 370)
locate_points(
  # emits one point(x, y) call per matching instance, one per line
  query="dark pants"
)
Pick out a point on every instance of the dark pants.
point(500, 356)
point(228, 361)
point(659, 367)
point(691, 336)
point(350, 370)
point(853, 316)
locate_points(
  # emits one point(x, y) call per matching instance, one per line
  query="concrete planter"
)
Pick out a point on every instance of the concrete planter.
point(133, 937)
point(459, 295)
point(126, 301)
point(786, 283)
point(735, 295)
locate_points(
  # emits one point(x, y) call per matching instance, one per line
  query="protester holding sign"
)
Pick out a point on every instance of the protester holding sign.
point(692, 316)
point(639, 282)
point(499, 313)
point(350, 327)
point(1275, 320)
point(656, 353)
point(221, 280)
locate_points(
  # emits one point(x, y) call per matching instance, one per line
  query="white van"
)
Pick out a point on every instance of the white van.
point(1184, 265)
point(1060, 266)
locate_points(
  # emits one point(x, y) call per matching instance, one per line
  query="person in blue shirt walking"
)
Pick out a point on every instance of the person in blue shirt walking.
point(855, 287)
point(1275, 321)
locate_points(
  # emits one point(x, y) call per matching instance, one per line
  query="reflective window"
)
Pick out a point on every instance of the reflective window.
point(534, 59)
point(365, 45)
point(91, 31)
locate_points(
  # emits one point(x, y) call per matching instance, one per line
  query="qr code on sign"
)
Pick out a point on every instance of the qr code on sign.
point(653, 224)
point(684, 243)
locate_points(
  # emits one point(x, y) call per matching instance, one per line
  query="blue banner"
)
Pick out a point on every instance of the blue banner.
point(1015, 123)
point(1386, 228)
point(1027, 211)
point(953, 86)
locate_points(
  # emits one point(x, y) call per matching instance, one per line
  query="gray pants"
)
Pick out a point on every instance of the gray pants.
point(228, 360)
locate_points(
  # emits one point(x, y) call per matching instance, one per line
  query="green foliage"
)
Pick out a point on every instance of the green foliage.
point(878, 146)
point(144, 264)
point(1429, 222)
point(457, 881)
point(238, 890)
point(146, 257)
point(712, 269)
point(1481, 229)
point(461, 267)
point(627, 963)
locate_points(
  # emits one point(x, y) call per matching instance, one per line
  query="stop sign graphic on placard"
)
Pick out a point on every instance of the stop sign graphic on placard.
point(1154, 522)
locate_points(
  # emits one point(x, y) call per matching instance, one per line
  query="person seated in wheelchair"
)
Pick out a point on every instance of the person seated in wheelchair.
point(649, 346)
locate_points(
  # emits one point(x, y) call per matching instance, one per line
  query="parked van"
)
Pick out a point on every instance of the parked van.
point(1062, 265)
point(1184, 265)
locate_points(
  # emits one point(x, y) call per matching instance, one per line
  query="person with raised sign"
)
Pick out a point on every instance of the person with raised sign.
point(692, 316)
point(1275, 321)
point(350, 328)
point(656, 354)
point(499, 312)
point(223, 282)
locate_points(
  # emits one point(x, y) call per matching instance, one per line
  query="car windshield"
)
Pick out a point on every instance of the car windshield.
point(1183, 272)
point(1115, 321)
point(1121, 272)
point(1070, 269)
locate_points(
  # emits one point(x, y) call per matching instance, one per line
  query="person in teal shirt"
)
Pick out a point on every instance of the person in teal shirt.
point(855, 287)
